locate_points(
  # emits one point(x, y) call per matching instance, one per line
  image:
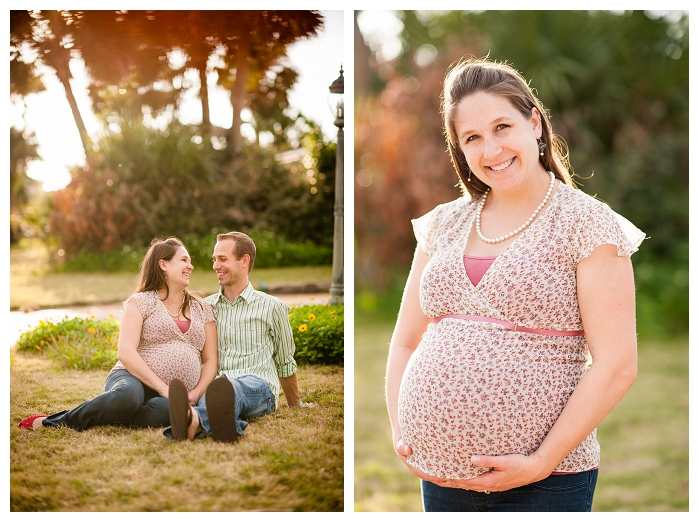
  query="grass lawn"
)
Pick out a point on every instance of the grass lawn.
point(291, 460)
point(644, 440)
point(33, 285)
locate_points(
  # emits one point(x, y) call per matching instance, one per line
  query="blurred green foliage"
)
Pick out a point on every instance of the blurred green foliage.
point(23, 149)
point(617, 87)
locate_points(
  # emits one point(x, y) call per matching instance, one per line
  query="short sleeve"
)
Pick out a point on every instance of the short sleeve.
point(602, 226)
point(208, 312)
point(425, 228)
point(145, 302)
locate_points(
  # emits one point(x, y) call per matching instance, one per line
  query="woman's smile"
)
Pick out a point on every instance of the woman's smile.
point(502, 166)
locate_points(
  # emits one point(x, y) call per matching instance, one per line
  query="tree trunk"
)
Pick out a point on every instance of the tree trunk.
point(60, 62)
point(65, 80)
point(242, 71)
point(204, 97)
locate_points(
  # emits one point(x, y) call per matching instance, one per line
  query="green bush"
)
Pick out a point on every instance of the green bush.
point(319, 333)
point(77, 343)
point(41, 336)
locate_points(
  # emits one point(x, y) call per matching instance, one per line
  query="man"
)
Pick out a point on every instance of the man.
point(255, 352)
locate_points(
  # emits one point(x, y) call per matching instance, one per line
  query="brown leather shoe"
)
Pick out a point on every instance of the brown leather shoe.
point(220, 407)
point(180, 411)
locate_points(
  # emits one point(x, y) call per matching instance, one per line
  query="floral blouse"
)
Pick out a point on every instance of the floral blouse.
point(476, 388)
point(167, 351)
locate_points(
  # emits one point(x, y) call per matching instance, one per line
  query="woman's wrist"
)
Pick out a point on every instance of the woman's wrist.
point(542, 464)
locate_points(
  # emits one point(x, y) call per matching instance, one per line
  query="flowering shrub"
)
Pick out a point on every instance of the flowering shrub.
point(38, 337)
point(77, 343)
point(319, 333)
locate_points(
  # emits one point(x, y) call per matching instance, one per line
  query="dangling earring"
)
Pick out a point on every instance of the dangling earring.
point(469, 175)
point(542, 146)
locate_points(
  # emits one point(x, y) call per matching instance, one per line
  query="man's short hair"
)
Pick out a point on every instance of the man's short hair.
point(242, 244)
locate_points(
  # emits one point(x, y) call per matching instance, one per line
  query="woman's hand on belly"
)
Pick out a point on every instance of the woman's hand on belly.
point(507, 472)
point(403, 451)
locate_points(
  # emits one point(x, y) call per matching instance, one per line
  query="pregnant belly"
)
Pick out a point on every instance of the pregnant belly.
point(182, 364)
point(474, 394)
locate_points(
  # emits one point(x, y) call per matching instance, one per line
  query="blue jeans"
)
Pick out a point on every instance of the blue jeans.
point(253, 398)
point(572, 492)
point(126, 401)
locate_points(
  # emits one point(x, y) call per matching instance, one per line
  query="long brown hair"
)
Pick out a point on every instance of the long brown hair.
point(471, 76)
point(151, 277)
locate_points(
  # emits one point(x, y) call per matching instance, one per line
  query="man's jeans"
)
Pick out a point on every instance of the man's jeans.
point(253, 398)
point(126, 401)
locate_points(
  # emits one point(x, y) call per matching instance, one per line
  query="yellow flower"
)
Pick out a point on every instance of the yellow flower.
point(291, 315)
point(92, 317)
point(332, 312)
point(313, 298)
point(91, 330)
point(333, 318)
point(293, 304)
point(312, 317)
point(303, 328)
point(111, 316)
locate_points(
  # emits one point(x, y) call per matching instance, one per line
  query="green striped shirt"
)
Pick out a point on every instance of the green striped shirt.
point(254, 336)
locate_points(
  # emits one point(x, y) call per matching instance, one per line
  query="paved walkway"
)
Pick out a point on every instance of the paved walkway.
point(23, 321)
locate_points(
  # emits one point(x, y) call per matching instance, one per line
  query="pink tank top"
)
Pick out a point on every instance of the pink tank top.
point(183, 325)
point(476, 266)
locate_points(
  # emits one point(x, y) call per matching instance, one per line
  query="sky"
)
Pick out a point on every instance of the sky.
point(48, 114)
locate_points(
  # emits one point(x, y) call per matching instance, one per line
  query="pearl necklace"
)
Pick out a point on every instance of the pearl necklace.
point(180, 310)
point(479, 211)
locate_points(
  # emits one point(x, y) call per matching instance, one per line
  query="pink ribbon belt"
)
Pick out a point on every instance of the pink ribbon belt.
point(509, 326)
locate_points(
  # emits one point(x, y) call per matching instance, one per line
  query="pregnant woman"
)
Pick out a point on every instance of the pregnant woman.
point(166, 335)
point(514, 288)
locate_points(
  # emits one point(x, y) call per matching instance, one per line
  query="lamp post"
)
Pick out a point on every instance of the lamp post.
point(337, 106)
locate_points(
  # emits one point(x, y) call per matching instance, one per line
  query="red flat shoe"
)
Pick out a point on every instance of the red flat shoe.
point(28, 423)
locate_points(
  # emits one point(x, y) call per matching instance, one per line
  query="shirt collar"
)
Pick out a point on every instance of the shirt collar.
point(246, 294)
